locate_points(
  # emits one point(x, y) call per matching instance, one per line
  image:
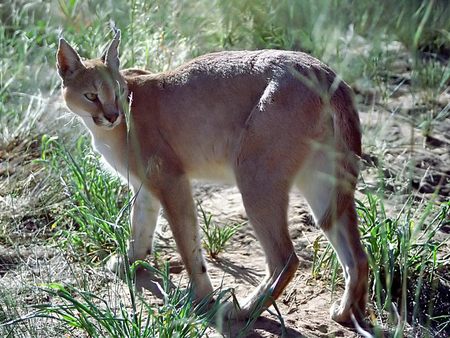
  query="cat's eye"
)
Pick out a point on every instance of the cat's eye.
point(91, 96)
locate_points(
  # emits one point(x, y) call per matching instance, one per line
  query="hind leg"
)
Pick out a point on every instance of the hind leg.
point(344, 237)
point(266, 201)
point(320, 188)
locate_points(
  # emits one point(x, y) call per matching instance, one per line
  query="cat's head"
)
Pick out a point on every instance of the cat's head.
point(93, 89)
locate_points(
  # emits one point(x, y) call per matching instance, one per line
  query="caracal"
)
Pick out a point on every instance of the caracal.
point(265, 120)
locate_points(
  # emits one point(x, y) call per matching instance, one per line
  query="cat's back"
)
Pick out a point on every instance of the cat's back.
point(232, 64)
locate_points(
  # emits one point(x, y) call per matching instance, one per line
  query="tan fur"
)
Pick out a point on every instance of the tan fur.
point(265, 120)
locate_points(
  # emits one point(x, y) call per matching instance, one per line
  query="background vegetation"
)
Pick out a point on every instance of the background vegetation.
point(54, 193)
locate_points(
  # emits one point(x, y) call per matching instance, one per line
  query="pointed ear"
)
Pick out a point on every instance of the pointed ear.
point(111, 55)
point(67, 59)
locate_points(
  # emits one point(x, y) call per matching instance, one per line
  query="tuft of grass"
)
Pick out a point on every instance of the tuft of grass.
point(96, 219)
point(432, 77)
point(88, 313)
point(216, 236)
point(407, 261)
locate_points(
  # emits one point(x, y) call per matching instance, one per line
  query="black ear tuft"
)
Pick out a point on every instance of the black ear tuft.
point(111, 55)
point(67, 59)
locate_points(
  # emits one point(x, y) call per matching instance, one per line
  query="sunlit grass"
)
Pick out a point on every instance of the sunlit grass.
point(215, 237)
point(405, 258)
point(96, 219)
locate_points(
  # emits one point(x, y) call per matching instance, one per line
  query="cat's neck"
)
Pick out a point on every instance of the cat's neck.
point(110, 137)
point(115, 150)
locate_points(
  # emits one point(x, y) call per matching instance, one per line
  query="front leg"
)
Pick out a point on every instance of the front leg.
point(176, 199)
point(144, 216)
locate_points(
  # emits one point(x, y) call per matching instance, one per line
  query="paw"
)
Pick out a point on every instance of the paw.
point(116, 265)
point(201, 287)
point(251, 307)
point(340, 314)
point(232, 311)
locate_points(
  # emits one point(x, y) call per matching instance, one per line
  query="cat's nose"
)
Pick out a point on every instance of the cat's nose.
point(112, 117)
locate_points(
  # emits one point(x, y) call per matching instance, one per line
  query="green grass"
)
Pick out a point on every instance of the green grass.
point(407, 261)
point(127, 315)
point(215, 237)
point(96, 218)
point(87, 312)
point(51, 179)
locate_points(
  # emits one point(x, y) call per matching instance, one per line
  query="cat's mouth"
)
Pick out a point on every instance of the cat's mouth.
point(108, 121)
